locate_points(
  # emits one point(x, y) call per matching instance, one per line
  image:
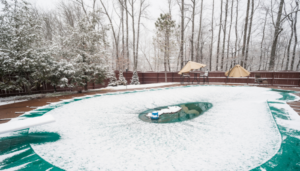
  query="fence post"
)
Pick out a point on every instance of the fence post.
point(172, 77)
point(272, 78)
point(157, 77)
point(143, 82)
point(299, 81)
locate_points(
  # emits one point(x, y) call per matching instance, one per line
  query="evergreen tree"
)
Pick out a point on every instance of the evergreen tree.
point(112, 79)
point(165, 29)
point(24, 63)
point(122, 80)
point(85, 49)
point(135, 79)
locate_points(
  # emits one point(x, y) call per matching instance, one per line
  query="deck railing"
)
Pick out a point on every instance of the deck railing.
point(284, 79)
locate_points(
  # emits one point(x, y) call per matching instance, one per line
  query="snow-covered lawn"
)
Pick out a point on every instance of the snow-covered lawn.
point(237, 133)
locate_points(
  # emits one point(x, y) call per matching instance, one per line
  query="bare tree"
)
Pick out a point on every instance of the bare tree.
point(224, 36)
point(219, 36)
point(123, 37)
point(193, 28)
point(290, 41)
point(296, 38)
point(228, 44)
point(127, 33)
point(182, 33)
point(115, 36)
point(262, 39)
point(212, 33)
point(236, 29)
point(245, 33)
point(199, 34)
point(249, 33)
point(277, 31)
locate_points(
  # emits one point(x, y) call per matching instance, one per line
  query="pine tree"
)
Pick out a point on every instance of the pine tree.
point(165, 28)
point(24, 62)
point(135, 79)
point(122, 80)
point(84, 47)
point(112, 79)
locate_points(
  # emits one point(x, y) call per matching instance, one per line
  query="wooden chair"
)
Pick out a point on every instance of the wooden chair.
point(205, 77)
point(183, 76)
point(260, 80)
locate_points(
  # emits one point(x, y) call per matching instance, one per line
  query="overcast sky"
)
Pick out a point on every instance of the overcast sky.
point(156, 7)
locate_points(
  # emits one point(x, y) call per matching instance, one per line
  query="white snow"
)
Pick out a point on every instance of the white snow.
point(15, 99)
point(237, 133)
point(136, 86)
point(293, 122)
point(18, 124)
point(170, 109)
point(11, 102)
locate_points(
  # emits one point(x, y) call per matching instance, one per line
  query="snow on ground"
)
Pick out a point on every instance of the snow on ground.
point(16, 99)
point(19, 124)
point(11, 102)
point(237, 133)
point(136, 86)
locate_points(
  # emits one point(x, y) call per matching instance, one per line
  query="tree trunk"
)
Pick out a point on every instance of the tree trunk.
point(165, 53)
point(182, 33)
point(262, 40)
point(193, 29)
point(236, 30)
point(212, 33)
point(249, 33)
point(284, 55)
point(199, 33)
point(127, 33)
point(138, 33)
point(133, 36)
point(245, 33)
point(224, 36)
point(229, 35)
point(278, 29)
point(116, 39)
point(295, 35)
point(168, 49)
point(123, 38)
point(219, 36)
point(289, 46)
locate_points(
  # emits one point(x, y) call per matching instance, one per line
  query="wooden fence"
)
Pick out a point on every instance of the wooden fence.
point(284, 79)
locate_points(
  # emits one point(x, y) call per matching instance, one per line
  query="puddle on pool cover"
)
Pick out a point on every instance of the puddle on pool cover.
point(188, 111)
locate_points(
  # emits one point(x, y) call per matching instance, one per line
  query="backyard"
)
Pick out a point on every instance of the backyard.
point(210, 85)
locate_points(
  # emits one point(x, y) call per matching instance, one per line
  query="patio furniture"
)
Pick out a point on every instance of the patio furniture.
point(237, 71)
point(183, 76)
point(205, 76)
point(196, 77)
point(260, 80)
point(184, 73)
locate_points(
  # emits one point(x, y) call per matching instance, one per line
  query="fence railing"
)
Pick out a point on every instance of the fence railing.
point(284, 79)
point(273, 78)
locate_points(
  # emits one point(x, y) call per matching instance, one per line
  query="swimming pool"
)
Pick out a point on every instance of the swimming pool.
point(238, 132)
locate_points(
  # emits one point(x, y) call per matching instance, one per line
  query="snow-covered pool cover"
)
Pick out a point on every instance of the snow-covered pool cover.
point(237, 133)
